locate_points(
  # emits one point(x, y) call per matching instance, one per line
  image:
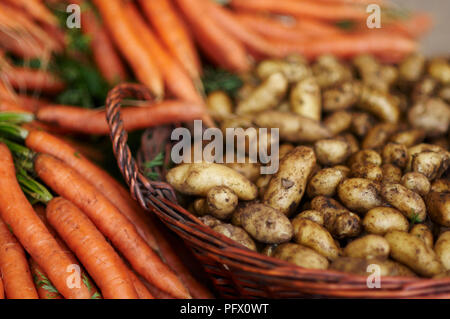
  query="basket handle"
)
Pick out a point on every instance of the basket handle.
point(119, 137)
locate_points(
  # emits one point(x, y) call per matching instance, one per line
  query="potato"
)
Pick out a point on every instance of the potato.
point(361, 123)
point(391, 174)
point(237, 234)
point(396, 154)
point(412, 68)
point(269, 250)
point(342, 97)
point(294, 70)
point(407, 202)
point(219, 105)
point(420, 148)
point(221, 202)
point(210, 221)
point(301, 256)
point(431, 115)
point(252, 171)
point(417, 183)
point(200, 207)
point(431, 164)
point(338, 122)
point(381, 104)
point(198, 178)
point(440, 70)
point(287, 186)
point(331, 151)
point(422, 232)
point(441, 185)
point(414, 253)
point(378, 135)
point(351, 140)
point(369, 246)
point(444, 93)
point(293, 127)
point(438, 205)
point(330, 72)
point(442, 249)
point(266, 224)
point(306, 99)
point(325, 182)
point(359, 194)
point(312, 215)
point(381, 220)
point(314, 236)
point(408, 137)
point(424, 88)
point(367, 171)
point(262, 182)
point(360, 266)
point(366, 157)
point(266, 96)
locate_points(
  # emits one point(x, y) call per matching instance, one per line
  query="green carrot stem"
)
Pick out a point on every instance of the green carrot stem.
point(16, 118)
point(13, 131)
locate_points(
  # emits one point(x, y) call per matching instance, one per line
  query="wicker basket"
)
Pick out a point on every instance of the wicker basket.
point(235, 271)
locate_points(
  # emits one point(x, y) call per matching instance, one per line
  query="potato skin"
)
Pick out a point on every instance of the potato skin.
point(301, 256)
point(417, 183)
point(432, 115)
point(220, 105)
point(198, 178)
point(312, 215)
point(367, 171)
point(396, 154)
point(287, 186)
point(379, 135)
point(221, 202)
point(338, 122)
point(342, 97)
point(237, 234)
point(414, 253)
point(359, 266)
point(391, 174)
point(266, 224)
point(325, 182)
point(306, 99)
point(441, 185)
point(407, 202)
point(424, 233)
point(430, 164)
point(314, 236)
point(408, 137)
point(366, 157)
point(369, 246)
point(439, 208)
point(442, 249)
point(331, 152)
point(359, 194)
point(381, 220)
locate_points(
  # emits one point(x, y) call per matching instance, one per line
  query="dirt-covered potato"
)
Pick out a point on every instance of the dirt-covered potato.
point(301, 256)
point(198, 178)
point(331, 152)
point(391, 174)
point(329, 71)
point(406, 201)
point(408, 138)
point(430, 164)
point(210, 221)
point(438, 205)
point(314, 236)
point(342, 97)
point(265, 224)
point(432, 115)
point(412, 68)
point(359, 194)
point(417, 183)
point(293, 69)
point(266, 96)
point(420, 148)
point(414, 253)
point(396, 154)
point(219, 105)
point(252, 171)
point(268, 250)
point(378, 135)
point(325, 182)
point(287, 186)
point(221, 202)
point(381, 220)
point(442, 249)
point(200, 207)
point(293, 127)
point(367, 171)
point(441, 185)
point(366, 157)
point(380, 104)
point(237, 234)
point(424, 233)
point(306, 100)
point(440, 70)
point(362, 266)
point(369, 246)
point(312, 215)
point(338, 122)
point(361, 123)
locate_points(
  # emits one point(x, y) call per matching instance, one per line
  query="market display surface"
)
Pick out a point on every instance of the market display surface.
point(337, 178)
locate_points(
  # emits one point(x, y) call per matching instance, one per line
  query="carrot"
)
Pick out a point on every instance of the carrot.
point(414, 26)
point(92, 249)
point(23, 47)
point(17, 212)
point(10, 106)
point(305, 8)
point(23, 78)
point(141, 290)
point(173, 33)
point(87, 121)
point(219, 45)
point(44, 287)
point(2, 291)
point(14, 267)
point(138, 56)
point(37, 10)
point(108, 219)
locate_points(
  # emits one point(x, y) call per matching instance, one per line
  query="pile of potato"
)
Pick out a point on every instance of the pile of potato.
point(364, 166)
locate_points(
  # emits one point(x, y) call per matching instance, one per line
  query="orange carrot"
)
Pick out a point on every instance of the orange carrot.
point(22, 78)
point(14, 267)
point(23, 47)
point(37, 10)
point(16, 211)
point(87, 121)
point(219, 45)
point(44, 287)
point(140, 288)
point(305, 8)
point(108, 219)
point(92, 249)
point(415, 26)
point(173, 33)
point(2, 291)
point(138, 56)
point(9, 106)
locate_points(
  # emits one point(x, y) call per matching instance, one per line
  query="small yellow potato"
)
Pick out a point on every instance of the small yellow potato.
point(359, 194)
point(266, 224)
point(366, 157)
point(210, 221)
point(369, 246)
point(245, 91)
point(364, 267)
point(344, 169)
point(200, 207)
point(417, 183)
point(444, 93)
point(266, 96)
point(431, 115)
point(219, 105)
point(425, 88)
point(329, 71)
point(419, 148)
point(440, 70)
point(252, 171)
point(409, 138)
point(438, 205)
point(294, 70)
point(430, 164)
point(424, 233)
point(268, 250)
point(441, 185)
point(325, 182)
point(414, 253)
point(262, 182)
point(406, 201)
point(306, 99)
point(412, 68)
point(351, 140)
point(361, 123)
point(312, 215)
point(378, 135)
point(198, 178)
point(380, 104)
point(442, 249)
point(293, 127)
point(331, 152)
point(287, 186)
point(314, 236)
point(221, 202)
point(391, 174)
point(381, 220)
point(338, 122)
point(396, 154)
point(301, 256)
point(237, 234)
point(342, 97)
point(368, 171)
